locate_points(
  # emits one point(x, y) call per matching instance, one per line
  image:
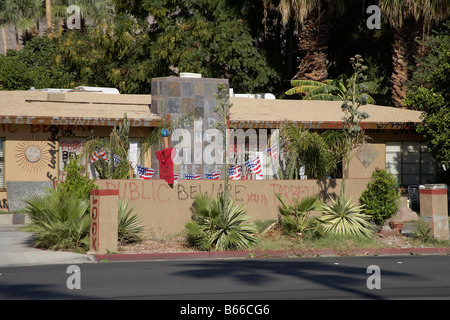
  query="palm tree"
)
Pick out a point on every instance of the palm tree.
point(312, 18)
point(330, 90)
point(410, 19)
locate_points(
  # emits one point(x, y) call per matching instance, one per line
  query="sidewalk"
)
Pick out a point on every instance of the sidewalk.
point(16, 250)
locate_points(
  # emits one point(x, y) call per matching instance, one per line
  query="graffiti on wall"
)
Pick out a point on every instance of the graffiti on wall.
point(160, 192)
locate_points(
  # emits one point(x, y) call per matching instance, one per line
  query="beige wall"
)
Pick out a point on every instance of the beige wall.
point(165, 209)
point(43, 164)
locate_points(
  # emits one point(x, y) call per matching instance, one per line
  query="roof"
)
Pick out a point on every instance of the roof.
point(314, 114)
point(75, 108)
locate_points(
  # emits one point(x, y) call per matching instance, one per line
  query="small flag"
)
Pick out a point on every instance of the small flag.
point(235, 172)
point(196, 176)
point(175, 177)
point(116, 159)
point(213, 175)
point(145, 173)
point(97, 155)
point(255, 166)
point(273, 150)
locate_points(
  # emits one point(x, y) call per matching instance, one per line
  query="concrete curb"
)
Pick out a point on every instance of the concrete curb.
point(268, 254)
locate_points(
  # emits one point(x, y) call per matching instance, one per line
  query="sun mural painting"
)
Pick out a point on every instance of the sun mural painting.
point(32, 154)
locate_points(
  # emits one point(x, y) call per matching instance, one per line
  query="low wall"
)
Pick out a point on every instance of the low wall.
point(165, 209)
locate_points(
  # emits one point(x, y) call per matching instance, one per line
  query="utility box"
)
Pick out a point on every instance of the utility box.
point(434, 209)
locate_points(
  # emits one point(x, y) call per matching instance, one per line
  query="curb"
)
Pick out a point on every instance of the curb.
point(268, 254)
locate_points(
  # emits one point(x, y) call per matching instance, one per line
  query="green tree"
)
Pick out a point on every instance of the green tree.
point(410, 19)
point(381, 199)
point(430, 92)
point(331, 89)
point(314, 18)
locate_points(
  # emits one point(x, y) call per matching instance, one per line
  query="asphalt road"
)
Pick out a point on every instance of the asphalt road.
point(400, 277)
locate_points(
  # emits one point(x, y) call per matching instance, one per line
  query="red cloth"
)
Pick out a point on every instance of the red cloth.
point(165, 159)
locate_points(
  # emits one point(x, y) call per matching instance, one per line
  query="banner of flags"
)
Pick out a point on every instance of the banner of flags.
point(195, 176)
point(101, 153)
point(234, 173)
point(144, 172)
point(213, 175)
point(255, 166)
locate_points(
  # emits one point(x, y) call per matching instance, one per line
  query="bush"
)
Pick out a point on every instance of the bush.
point(214, 229)
point(129, 225)
point(76, 181)
point(294, 219)
point(381, 199)
point(343, 217)
point(59, 222)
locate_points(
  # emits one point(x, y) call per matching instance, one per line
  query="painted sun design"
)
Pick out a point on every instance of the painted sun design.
point(32, 154)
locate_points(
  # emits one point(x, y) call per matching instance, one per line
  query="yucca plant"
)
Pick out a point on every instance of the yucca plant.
point(343, 217)
point(59, 223)
point(213, 228)
point(294, 219)
point(130, 226)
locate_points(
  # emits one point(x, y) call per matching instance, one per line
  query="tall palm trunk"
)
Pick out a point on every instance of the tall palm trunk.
point(313, 47)
point(405, 51)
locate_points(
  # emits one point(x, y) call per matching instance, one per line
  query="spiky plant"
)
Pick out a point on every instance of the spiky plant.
point(130, 226)
point(294, 219)
point(212, 228)
point(59, 222)
point(343, 217)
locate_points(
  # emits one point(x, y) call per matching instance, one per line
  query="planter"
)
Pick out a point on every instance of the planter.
point(397, 226)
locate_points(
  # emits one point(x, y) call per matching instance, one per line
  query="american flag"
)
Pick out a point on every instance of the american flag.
point(255, 166)
point(116, 160)
point(273, 151)
point(145, 173)
point(175, 177)
point(235, 172)
point(195, 176)
point(100, 154)
point(213, 175)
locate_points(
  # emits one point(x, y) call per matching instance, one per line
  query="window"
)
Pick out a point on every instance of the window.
point(410, 162)
point(2, 165)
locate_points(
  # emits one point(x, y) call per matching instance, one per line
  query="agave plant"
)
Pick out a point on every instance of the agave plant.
point(213, 228)
point(343, 217)
point(130, 227)
point(294, 218)
point(59, 222)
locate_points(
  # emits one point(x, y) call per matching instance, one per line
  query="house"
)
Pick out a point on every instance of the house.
point(40, 129)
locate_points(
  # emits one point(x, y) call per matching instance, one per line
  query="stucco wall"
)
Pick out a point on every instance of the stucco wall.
point(165, 209)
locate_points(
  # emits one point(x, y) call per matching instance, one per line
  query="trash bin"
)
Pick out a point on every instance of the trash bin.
point(434, 209)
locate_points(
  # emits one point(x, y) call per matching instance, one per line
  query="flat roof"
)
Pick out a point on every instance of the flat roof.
point(75, 108)
point(314, 114)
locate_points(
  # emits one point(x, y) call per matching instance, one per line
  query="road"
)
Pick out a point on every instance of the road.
point(400, 277)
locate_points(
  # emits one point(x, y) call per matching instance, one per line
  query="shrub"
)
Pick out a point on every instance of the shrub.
point(59, 222)
point(294, 219)
point(381, 199)
point(129, 225)
point(343, 217)
point(212, 228)
point(76, 181)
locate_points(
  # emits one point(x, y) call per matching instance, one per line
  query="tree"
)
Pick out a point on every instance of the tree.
point(430, 92)
point(410, 19)
point(313, 17)
point(331, 90)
